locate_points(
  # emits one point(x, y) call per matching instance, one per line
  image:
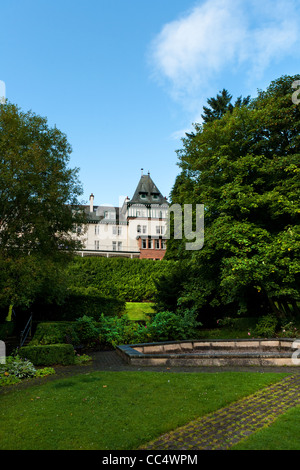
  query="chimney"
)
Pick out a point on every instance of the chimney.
point(92, 202)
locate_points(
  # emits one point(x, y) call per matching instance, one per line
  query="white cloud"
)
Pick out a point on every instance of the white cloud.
point(222, 37)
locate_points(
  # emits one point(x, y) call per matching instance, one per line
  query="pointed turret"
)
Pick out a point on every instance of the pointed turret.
point(147, 192)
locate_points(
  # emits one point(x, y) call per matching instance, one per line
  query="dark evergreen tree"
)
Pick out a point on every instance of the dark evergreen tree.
point(220, 105)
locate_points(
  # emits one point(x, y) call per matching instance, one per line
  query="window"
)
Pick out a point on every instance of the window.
point(96, 244)
point(117, 246)
point(144, 244)
point(150, 245)
point(157, 244)
point(144, 228)
point(116, 230)
point(139, 229)
point(160, 230)
point(163, 245)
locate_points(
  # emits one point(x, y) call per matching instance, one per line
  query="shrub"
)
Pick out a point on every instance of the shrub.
point(288, 330)
point(266, 326)
point(163, 326)
point(49, 354)
point(86, 331)
point(83, 331)
point(44, 372)
point(82, 359)
point(170, 326)
point(18, 367)
point(121, 330)
point(50, 333)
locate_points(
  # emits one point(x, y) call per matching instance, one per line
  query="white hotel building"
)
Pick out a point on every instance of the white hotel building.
point(138, 229)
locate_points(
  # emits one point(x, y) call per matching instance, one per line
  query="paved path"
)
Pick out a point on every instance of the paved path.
point(229, 425)
point(216, 431)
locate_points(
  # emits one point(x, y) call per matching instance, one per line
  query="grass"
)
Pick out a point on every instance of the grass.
point(282, 435)
point(139, 310)
point(116, 410)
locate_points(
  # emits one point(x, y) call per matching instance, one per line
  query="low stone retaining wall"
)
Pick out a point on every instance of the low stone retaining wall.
point(239, 352)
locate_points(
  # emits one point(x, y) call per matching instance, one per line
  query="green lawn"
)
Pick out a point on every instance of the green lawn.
point(115, 410)
point(139, 310)
point(283, 434)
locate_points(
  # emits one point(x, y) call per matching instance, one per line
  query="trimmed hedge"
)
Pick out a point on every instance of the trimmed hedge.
point(79, 302)
point(133, 280)
point(51, 333)
point(48, 355)
point(83, 331)
point(85, 302)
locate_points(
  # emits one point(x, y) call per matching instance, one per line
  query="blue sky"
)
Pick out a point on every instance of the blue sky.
point(124, 79)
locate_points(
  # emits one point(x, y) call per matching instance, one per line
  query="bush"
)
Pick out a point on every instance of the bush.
point(50, 333)
point(266, 326)
point(121, 330)
point(49, 354)
point(44, 372)
point(18, 367)
point(163, 326)
point(83, 331)
point(170, 326)
point(288, 330)
point(86, 331)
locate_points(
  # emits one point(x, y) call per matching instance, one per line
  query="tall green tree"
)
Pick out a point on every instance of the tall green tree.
point(244, 167)
point(219, 105)
point(38, 202)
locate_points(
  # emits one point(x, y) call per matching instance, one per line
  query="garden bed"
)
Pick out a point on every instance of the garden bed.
point(258, 352)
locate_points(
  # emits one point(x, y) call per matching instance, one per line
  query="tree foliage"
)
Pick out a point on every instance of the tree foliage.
point(220, 105)
point(37, 189)
point(38, 203)
point(244, 167)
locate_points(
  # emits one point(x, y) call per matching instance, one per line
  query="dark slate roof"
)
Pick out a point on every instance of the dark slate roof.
point(147, 193)
point(98, 214)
